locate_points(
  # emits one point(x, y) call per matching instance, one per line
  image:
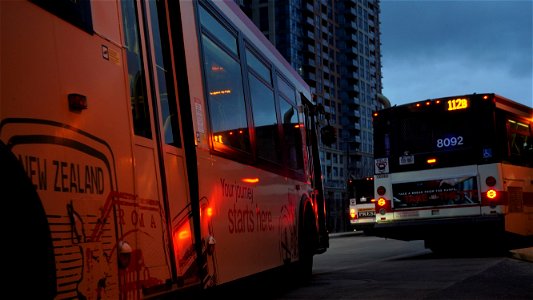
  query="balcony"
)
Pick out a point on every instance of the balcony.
point(353, 127)
point(353, 88)
point(356, 101)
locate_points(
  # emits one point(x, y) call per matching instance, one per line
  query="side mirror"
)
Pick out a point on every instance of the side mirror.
point(328, 135)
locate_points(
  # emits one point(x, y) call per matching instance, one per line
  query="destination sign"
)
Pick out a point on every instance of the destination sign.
point(458, 103)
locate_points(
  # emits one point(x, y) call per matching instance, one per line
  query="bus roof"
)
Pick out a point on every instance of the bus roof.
point(501, 102)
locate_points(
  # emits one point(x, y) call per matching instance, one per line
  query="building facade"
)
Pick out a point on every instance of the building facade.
point(335, 46)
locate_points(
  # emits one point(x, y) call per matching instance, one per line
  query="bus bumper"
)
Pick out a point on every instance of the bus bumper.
point(422, 229)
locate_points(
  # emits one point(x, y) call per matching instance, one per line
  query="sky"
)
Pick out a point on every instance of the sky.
point(435, 48)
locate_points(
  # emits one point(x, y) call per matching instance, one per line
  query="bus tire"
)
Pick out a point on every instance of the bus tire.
point(30, 267)
point(308, 239)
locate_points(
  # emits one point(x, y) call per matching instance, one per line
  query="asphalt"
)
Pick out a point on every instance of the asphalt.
point(525, 254)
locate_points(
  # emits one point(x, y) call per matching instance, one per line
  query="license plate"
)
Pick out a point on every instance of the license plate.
point(407, 160)
point(365, 214)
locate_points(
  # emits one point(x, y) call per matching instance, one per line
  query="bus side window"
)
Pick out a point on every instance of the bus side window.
point(77, 13)
point(519, 142)
point(292, 134)
point(140, 110)
point(291, 124)
point(224, 83)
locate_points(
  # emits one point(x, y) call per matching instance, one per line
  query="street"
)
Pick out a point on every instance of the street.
point(367, 267)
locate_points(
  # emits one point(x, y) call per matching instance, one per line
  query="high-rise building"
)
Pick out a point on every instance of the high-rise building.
point(335, 46)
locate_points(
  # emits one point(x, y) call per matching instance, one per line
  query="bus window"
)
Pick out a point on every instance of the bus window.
point(217, 30)
point(138, 96)
point(75, 12)
point(225, 94)
point(519, 141)
point(292, 134)
point(266, 124)
point(167, 99)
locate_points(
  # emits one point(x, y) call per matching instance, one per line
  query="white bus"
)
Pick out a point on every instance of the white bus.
point(148, 147)
point(362, 212)
point(455, 172)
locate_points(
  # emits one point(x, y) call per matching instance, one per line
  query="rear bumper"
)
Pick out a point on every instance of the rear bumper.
point(421, 229)
point(363, 226)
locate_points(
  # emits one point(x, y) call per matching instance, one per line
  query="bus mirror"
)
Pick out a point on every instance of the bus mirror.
point(328, 135)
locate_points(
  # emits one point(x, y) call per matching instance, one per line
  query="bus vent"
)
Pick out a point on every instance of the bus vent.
point(516, 199)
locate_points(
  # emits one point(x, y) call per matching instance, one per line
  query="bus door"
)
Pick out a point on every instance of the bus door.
point(161, 216)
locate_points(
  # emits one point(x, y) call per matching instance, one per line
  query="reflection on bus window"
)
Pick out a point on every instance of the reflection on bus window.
point(292, 135)
point(226, 98)
point(217, 30)
point(138, 97)
point(266, 124)
point(519, 141)
point(167, 99)
point(267, 140)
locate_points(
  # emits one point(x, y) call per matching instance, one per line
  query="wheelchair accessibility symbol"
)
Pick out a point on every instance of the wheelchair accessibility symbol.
point(487, 152)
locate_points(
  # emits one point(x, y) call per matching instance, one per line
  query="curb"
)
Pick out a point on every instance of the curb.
point(345, 234)
point(523, 254)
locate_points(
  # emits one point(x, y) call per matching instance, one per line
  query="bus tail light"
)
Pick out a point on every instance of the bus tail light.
point(381, 190)
point(431, 161)
point(382, 205)
point(492, 194)
point(490, 181)
point(353, 215)
point(492, 197)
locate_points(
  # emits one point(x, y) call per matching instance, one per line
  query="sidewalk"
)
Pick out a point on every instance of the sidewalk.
point(525, 254)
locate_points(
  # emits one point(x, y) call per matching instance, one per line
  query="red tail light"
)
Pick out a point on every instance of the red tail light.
point(382, 205)
point(431, 161)
point(381, 190)
point(490, 181)
point(353, 215)
point(492, 194)
point(492, 197)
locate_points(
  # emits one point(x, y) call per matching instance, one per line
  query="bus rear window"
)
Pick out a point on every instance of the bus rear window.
point(433, 133)
point(409, 138)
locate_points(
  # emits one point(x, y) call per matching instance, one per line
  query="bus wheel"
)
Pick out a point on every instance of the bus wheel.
point(30, 250)
point(307, 245)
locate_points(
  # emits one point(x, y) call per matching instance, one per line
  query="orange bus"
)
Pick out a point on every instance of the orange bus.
point(148, 147)
point(456, 172)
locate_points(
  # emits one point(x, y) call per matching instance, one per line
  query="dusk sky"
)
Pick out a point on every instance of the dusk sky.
point(434, 49)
